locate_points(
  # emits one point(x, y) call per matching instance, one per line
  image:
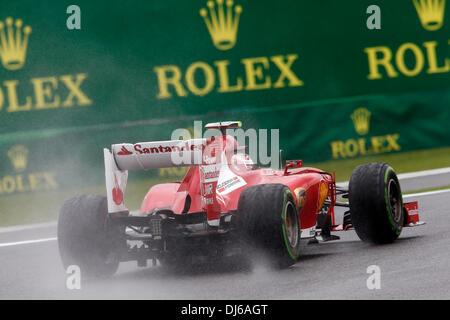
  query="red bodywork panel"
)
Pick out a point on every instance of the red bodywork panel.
point(412, 214)
point(306, 181)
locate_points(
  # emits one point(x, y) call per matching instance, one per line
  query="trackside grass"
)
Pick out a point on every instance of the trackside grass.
point(30, 208)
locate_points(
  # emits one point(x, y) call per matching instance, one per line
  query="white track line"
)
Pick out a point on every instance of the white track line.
point(424, 173)
point(9, 244)
point(428, 193)
point(28, 227)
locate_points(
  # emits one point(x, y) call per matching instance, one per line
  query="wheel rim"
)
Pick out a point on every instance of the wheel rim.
point(291, 224)
point(395, 202)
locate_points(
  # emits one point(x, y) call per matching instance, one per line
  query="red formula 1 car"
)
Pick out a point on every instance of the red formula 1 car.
point(224, 206)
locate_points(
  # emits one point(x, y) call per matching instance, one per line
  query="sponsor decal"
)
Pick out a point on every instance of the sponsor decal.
point(431, 13)
point(208, 189)
point(360, 118)
point(167, 149)
point(207, 201)
point(223, 27)
point(429, 56)
point(354, 147)
point(48, 92)
point(222, 23)
point(221, 187)
point(13, 43)
point(228, 181)
point(124, 152)
point(18, 155)
point(151, 148)
point(210, 173)
point(22, 181)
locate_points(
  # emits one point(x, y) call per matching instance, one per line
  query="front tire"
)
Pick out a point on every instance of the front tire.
point(376, 203)
point(269, 221)
point(84, 238)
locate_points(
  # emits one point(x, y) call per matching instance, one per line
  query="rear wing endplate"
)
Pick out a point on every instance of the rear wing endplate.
point(116, 183)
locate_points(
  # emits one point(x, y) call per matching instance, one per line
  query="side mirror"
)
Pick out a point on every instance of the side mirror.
point(292, 164)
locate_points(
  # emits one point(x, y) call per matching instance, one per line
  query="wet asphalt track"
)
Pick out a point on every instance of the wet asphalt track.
point(416, 266)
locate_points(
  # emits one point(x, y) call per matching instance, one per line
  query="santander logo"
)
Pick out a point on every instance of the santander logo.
point(124, 152)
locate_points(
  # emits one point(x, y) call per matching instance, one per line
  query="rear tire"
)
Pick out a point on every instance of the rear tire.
point(84, 238)
point(376, 203)
point(270, 222)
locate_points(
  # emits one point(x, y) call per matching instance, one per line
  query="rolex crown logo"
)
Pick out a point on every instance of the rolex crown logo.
point(222, 24)
point(13, 43)
point(19, 156)
point(360, 118)
point(431, 13)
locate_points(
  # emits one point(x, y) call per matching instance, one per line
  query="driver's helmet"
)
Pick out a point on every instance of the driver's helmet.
point(242, 161)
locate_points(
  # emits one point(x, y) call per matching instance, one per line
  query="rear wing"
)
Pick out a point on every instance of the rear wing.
point(145, 156)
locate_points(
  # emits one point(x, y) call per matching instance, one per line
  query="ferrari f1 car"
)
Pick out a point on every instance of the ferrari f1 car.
point(225, 205)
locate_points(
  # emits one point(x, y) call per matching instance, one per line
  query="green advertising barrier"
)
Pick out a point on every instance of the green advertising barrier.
point(136, 71)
